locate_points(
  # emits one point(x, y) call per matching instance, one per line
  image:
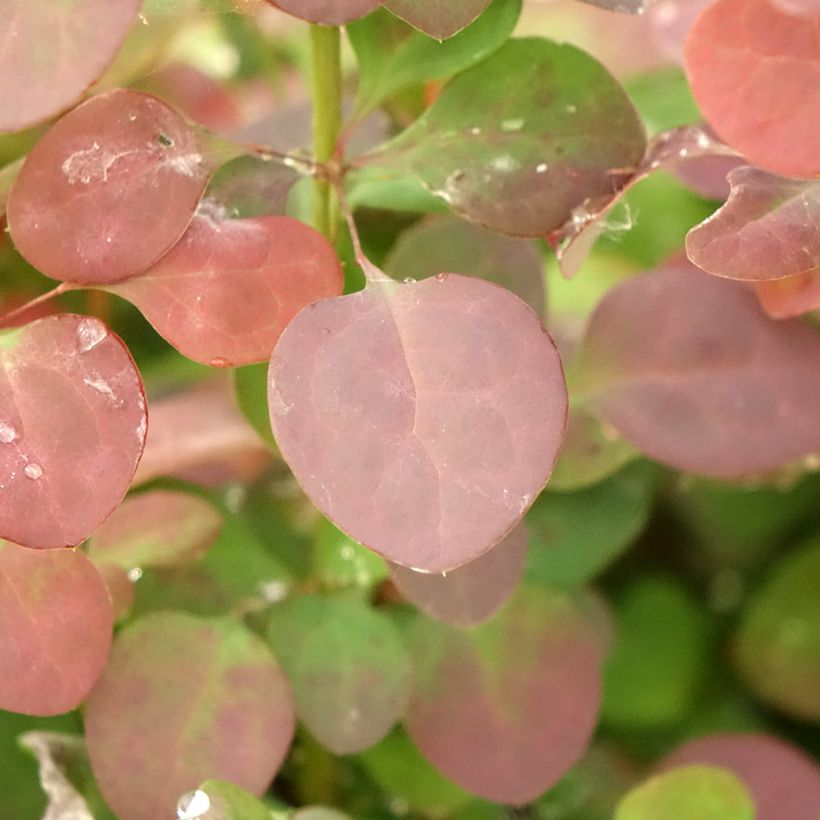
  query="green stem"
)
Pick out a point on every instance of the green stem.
point(326, 87)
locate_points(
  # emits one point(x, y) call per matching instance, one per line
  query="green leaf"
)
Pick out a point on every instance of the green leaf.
point(689, 793)
point(521, 140)
point(400, 770)
point(389, 190)
point(226, 801)
point(664, 99)
point(250, 384)
point(778, 644)
point(575, 535)
point(393, 56)
point(348, 668)
point(653, 674)
point(341, 562)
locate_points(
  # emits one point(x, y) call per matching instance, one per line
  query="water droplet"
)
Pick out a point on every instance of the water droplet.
point(90, 333)
point(273, 591)
point(7, 433)
point(33, 471)
point(475, 131)
point(408, 280)
point(505, 163)
point(347, 553)
point(218, 361)
point(132, 117)
point(684, 152)
point(143, 19)
point(134, 574)
point(541, 168)
point(193, 804)
point(514, 124)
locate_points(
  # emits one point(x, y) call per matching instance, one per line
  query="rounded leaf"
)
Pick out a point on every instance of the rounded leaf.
point(689, 793)
point(755, 74)
point(421, 418)
point(55, 629)
point(181, 700)
point(436, 18)
point(108, 190)
point(348, 668)
point(327, 12)
point(229, 287)
point(782, 780)
point(506, 709)
point(472, 593)
point(72, 429)
point(52, 52)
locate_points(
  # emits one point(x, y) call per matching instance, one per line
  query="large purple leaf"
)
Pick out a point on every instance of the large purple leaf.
point(768, 229)
point(506, 709)
point(438, 18)
point(108, 190)
point(72, 429)
point(755, 74)
point(55, 629)
point(473, 593)
point(690, 370)
point(451, 244)
point(783, 781)
point(226, 291)
point(422, 418)
point(523, 138)
point(184, 699)
point(348, 667)
point(52, 52)
point(327, 12)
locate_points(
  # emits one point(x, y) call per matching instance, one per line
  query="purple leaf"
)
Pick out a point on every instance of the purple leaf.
point(689, 370)
point(768, 229)
point(55, 629)
point(184, 699)
point(327, 12)
point(472, 593)
point(72, 429)
point(421, 418)
point(438, 18)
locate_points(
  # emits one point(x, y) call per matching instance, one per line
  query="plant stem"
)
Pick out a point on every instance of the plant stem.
point(326, 87)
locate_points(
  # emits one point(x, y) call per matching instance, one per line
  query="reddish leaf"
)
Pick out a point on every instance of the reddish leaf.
point(789, 297)
point(55, 629)
point(755, 74)
point(521, 139)
point(52, 53)
point(768, 229)
point(201, 435)
point(806, 8)
point(506, 709)
point(688, 369)
point(108, 190)
point(160, 528)
point(438, 18)
point(782, 780)
point(184, 699)
point(229, 287)
point(451, 244)
point(72, 429)
point(327, 12)
point(472, 593)
point(422, 418)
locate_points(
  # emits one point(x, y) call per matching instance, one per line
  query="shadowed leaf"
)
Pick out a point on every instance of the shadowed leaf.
point(72, 429)
point(778, 645)
point(472, 593)
point(52, 52)
point(782, 780)
point(689, 793)
point(766, 230)
point(55, 629)
point(229, 287)
point(451, 244)
point(690, 370)
point(183, 699)
point(520, 140)
point(348, 668)
point(421, 418)
point(755, 75)
point(506, 709)
point(108, 190)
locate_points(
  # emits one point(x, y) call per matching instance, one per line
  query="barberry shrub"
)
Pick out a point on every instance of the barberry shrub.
point(425, 419)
